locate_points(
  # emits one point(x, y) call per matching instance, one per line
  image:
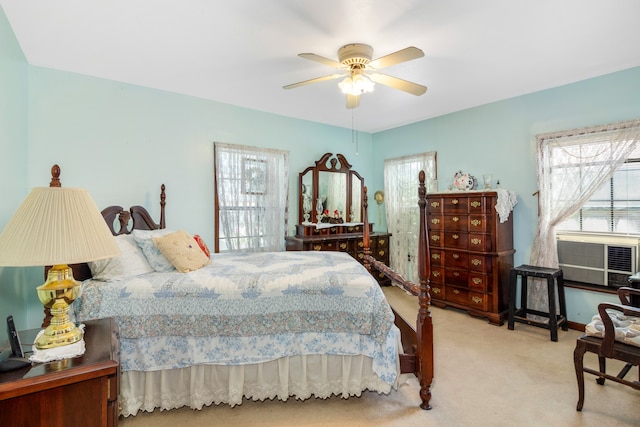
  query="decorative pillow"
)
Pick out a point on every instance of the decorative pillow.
point(627, 328)
point(202, 245)
point(182, 250)
point(131, 262)
point(144, 238)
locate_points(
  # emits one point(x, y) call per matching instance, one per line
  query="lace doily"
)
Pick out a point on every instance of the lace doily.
point(506, 201)
point(57, 353)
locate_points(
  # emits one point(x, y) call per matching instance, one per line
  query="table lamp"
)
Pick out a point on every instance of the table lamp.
point(57, 226)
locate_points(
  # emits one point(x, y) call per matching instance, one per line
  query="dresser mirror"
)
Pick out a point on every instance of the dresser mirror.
point(330, 192)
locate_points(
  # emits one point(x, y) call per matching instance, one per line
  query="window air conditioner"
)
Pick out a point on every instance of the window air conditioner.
point(598, 259)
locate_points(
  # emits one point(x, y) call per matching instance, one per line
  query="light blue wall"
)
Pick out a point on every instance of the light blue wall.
point(499, 138)
point(13, 170)
point(121, 142)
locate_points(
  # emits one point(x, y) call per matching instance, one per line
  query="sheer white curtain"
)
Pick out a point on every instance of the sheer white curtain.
point(252, 186)
point(402, 211)
point(572, 165)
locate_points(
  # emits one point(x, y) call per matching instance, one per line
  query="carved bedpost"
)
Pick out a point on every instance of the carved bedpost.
point(55, 176)
point(162, 204)
point(365, 233)
point(424, 322)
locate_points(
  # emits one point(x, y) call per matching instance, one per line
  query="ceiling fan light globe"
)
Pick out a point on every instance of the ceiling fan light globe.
point(366, 84)
point(346, 85)
point(356, 85)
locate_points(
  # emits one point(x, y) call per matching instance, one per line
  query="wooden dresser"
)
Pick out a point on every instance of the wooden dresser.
point(471, 253)
point(82, 391)
point(344, 239)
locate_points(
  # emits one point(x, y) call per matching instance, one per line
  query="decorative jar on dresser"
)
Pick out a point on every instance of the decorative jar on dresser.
point(471, 253)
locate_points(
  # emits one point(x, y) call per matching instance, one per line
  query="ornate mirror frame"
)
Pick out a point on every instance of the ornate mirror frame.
point(314, 184)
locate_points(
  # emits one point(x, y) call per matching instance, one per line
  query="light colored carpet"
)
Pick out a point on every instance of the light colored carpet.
point(485, 375)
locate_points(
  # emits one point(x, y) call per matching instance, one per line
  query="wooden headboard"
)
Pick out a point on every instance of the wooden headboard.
point(118, 220)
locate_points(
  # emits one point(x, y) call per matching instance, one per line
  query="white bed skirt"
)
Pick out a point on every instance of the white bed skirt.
point(296, 376)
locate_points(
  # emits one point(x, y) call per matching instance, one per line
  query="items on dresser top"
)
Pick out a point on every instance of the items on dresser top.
point(471, 252)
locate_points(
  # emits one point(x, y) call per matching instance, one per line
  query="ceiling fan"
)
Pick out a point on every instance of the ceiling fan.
point(355, 62)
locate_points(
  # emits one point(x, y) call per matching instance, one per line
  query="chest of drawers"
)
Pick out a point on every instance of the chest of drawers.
point(471, 253)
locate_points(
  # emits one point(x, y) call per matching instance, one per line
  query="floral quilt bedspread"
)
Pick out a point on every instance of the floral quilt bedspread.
point(246, 308)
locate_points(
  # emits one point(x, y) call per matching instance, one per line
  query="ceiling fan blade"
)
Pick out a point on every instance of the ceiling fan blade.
point(322, 60)
point(396, 83)
point(316, 80)
point(353, 101)
point(404, 55)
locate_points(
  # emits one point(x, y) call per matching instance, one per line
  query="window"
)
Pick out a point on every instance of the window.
point(403, 213)
point(574, 169)
point(251, 198)
point(615, 206)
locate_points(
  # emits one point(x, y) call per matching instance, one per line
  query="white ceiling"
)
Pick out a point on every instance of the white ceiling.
point(242, 52)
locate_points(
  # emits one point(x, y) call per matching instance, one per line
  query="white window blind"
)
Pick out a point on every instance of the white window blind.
point(615, 206)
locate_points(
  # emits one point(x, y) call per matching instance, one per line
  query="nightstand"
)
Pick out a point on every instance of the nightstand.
point(82, 391)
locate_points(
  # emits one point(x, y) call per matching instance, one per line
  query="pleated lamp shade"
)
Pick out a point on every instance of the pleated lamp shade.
point(56, 225)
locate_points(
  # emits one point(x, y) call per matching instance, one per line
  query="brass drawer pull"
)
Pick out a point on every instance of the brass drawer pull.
point(435, 204)
point(455, 219)
point(317, 247)
point(476, 280)
point(381, 242)
point(454, 202)
point(381, 253)
point(455, 291)
point(435, 238)
point(360, 243)
point(476, 262)
point(476, 222)
point(476, 241)
point(436, 274)
point(435, 221)
point(435, 256)
point(435, 290)
point(476, 300)
point(455, 256)
point(475, 204)
point(456, 273)
point(456, 236)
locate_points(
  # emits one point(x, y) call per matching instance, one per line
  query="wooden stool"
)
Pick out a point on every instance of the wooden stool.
point(520, 315)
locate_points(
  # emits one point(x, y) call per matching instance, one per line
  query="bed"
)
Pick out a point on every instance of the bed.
point(252, 326)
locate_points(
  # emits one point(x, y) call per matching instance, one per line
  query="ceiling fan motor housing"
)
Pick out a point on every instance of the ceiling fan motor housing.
point(355, 54)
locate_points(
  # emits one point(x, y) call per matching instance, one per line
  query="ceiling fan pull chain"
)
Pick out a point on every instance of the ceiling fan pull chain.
point(354, 132)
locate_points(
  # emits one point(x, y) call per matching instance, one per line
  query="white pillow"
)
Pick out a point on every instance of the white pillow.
point(131, 262)
point(155, 258)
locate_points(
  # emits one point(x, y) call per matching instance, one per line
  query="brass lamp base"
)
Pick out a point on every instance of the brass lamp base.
point(57, 294)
